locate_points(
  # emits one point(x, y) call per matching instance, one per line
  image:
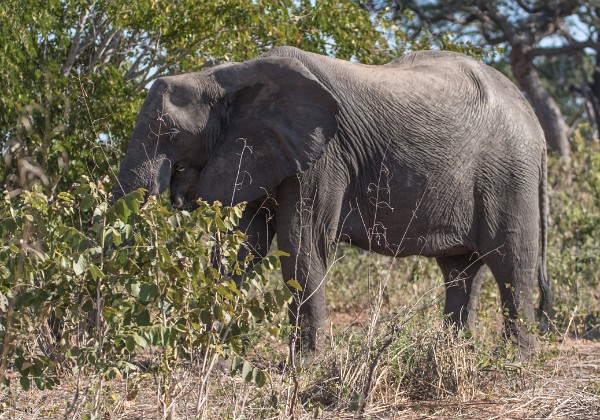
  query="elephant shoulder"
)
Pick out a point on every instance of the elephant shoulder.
point(284, 51)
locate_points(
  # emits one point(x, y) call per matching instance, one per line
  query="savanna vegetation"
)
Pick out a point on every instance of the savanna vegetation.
point(121, 312)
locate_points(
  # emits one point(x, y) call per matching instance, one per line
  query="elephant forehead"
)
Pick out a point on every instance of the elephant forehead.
point(191, 117)
point(184, 101)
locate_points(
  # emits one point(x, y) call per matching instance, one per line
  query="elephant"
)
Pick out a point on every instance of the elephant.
point(433, 154)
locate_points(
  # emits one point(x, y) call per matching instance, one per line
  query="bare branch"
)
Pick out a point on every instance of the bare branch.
point(546, 20)
point(528, 8)
point(76, 46)
point(564, 30)
point(133, 71)
point(103, 50)
point(572, 48)
point(565, 8)
point(469, 18)
point(489, 10)
point(489, 38)
point(28, 167)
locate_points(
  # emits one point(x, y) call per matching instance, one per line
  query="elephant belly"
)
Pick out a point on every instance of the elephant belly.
point(400, 231)
point(403, 243)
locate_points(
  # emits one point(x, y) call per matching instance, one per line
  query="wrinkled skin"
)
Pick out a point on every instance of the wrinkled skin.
point(433, 154)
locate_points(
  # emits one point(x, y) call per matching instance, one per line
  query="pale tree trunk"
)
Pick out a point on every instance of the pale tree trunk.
point(547, 110)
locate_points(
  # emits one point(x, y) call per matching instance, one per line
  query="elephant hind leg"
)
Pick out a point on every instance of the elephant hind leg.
point(515, 273)
point(463, 276)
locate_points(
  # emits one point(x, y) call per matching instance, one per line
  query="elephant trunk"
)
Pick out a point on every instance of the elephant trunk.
point(140, 169)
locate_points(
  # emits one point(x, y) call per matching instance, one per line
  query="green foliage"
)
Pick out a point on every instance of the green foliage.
point(574, 247)
point(99, 284)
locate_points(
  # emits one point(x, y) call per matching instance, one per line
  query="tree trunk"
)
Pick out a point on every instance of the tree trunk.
point(595, 96)
point(548, 112)
point(545, 107)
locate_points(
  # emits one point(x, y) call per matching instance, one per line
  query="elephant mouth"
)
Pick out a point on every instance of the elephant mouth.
point(179, 203)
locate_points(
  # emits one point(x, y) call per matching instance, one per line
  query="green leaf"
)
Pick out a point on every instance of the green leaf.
point(84, 188)
point(237, 212)
point(130, 344)
point(247, 369)
point(96, 273)
point(128, 231)
point(206, 317)
point(116, 236)
point(25, 382)
point(132, 201)
point(79, 265)
point(140, 341)
point(144, 291)
point(236, 363)
point(257, 312)
point(121, 211)
point(112, 373)
point(259, 377)
point(148, 292)
point(87, 202)
point(294, 285)
point(280, 253)
point(11, 225)
point(66, 197)
point(143, 319)
point(223, 291)
point(218, 312)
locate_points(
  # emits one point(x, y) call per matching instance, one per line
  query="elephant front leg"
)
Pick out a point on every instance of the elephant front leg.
point(307, 311)
point(306, 240)
point(462, 279)
point(260, 230)
point(307, 220)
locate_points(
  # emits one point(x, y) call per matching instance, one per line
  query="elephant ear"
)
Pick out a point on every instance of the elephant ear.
point(279, 121)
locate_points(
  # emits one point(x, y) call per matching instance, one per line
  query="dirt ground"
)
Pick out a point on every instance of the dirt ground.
point(566, 386)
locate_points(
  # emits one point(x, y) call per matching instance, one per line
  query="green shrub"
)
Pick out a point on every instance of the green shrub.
point(88, 286)
point(574, 232)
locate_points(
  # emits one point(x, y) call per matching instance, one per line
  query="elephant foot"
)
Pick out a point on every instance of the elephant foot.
point(305, 344)
point(307, 337)
point(527, 346)
point(522, 338)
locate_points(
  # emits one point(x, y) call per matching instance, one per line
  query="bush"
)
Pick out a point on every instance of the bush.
point(86, 286)
point(574, 234)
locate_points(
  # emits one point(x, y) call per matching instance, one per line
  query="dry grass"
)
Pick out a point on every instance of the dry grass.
point(565, 386)
point(389, 356)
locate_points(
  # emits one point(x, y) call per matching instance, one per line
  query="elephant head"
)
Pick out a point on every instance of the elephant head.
point(231, 133)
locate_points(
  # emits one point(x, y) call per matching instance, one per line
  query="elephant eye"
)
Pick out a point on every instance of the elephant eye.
point(178, 168)
point(173, 133)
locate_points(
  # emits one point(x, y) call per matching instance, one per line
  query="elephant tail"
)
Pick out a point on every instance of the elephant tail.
point(545, 308)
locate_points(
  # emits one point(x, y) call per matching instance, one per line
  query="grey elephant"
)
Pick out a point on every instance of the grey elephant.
point(432, 154)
